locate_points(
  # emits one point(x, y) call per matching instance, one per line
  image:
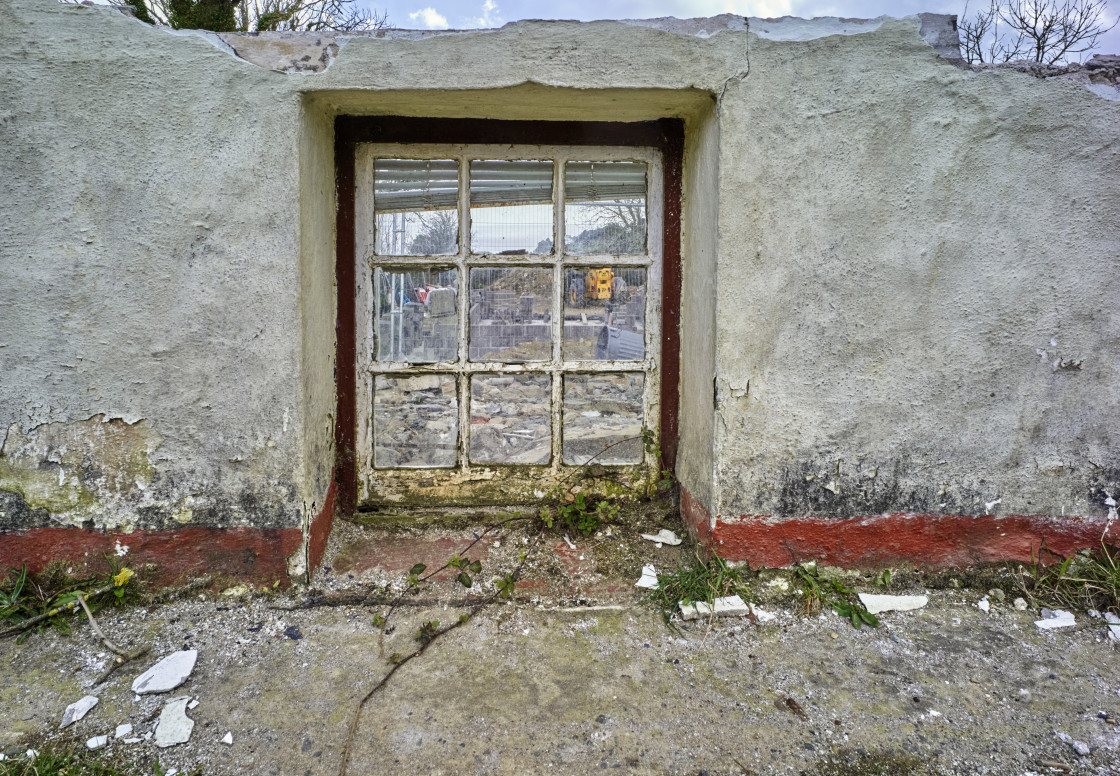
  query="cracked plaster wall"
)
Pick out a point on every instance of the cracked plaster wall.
point(874, 242)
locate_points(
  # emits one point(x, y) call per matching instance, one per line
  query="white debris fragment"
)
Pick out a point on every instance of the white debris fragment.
point(78, 709)
point(236, 591)
point(990, 505)
point(892, 603)
point(32, 754)
point(1080, 747)
point(1094, 614)
point(97, 742)
point(1020, 604)
point(227, 739)
point(167, 674)
point(762, 616)
point(569, 542)
point(1113, 626)
point(133, 740)
point(664, 536)
point(728, 606)
point(983, 604)
point(123, 730)
point(194, 703)
point(174, 726)
point(1057, 618)
point(649, 577)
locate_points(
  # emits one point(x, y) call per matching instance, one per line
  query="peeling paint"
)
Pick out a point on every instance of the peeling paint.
point(69, 468)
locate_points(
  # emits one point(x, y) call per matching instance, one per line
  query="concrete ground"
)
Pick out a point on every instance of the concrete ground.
point(576, 676)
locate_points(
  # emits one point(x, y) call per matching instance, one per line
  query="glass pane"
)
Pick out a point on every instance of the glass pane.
point(511, 314)
point(604, 313)
point(605, 207)
point(511, 207)
point(603, 418)
point(415, 314)
point(510, 419)
point(415, 421)
point(416, 207)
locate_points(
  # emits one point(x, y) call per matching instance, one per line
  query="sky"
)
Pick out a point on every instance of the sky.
point(466, 14)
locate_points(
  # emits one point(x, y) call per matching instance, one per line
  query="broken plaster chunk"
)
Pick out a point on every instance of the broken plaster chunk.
point(1113, 626)
point(649, 577)
point(167, 674)
point(78, 709)
point(892, 603)
point(1057, 618)
point(123, 730)
point(664, 536)
point(762, 616)
point(174, 726)
point(983, 604)
point(728, 606)
point(97, 742)
point(227, 739)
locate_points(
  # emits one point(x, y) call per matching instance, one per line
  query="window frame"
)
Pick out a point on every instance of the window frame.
point(571, 140)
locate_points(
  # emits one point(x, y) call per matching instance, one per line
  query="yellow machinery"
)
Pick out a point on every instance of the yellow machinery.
point(594, 284)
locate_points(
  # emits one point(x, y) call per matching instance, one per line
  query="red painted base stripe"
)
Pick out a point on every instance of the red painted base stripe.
point(934, 541)
point(250, 554)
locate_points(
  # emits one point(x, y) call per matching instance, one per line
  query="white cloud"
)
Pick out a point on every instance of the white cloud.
point(430, 18)
point(490, 16)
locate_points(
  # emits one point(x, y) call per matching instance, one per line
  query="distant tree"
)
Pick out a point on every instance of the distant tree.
point(440, 235)
point(258, 15)
point(1043, 31)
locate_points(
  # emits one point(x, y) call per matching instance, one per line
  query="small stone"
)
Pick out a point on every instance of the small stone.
point(892, 603)
point(834, 635)
point(78, 709)
point(227, 739)
point(123, 730)
point(193, 704)
point(1080, 747)
point(97, 742)
point(167, 674)
point(997, 595)
point(174, 726)
point(1020, 604)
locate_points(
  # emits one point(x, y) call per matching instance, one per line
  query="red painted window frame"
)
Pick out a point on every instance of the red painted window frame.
point(667, 135)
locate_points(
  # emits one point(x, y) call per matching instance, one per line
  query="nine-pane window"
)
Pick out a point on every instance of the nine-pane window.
point(487, 344)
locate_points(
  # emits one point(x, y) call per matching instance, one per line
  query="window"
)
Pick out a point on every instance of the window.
point(506, 317)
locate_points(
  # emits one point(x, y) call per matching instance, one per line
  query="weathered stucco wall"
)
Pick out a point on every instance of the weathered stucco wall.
point(916, 291)
point(884, 258)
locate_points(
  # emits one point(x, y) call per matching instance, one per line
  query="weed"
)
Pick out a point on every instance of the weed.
point(702, 581)
point(40, 598)
point(77, 763)
point(816, 591)
point(1089, 579)
point(848, 762)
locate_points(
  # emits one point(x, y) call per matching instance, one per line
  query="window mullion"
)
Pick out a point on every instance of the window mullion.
point(464, 311)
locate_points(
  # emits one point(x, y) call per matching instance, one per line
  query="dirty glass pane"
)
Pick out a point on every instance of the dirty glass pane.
point(415, 314)
point(511, 314)
point(604, 313)
point(416, 207)
point(510, 419)
point(603, 418)
point(415, 421)
point(605, 207)
point(511, 207)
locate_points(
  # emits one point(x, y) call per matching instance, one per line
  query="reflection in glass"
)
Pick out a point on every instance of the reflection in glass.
point(415, 314)
point(603, 418)
point(511, 314)
point(511, 207)
point(510, 419)
point(415, 421)
point(604, 313)
point(605, 207)
point(416, 207)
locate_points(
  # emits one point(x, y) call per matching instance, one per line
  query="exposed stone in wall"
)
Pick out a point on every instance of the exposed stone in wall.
point(286, 52)
point(1101, 74)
